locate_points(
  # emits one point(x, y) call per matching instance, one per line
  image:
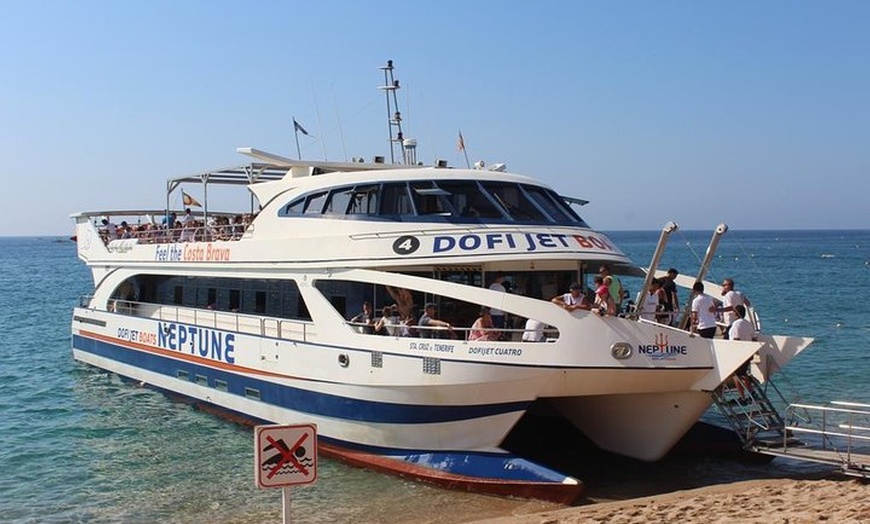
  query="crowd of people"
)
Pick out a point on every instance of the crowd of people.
point(660, 303)
point(188, 228)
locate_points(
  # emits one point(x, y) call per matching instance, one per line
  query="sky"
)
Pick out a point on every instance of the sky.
point(755, 114)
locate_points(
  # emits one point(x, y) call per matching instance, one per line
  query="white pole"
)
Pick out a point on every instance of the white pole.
point(285, 499)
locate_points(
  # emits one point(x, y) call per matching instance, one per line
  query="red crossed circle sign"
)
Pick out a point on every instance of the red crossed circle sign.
point(285, 455)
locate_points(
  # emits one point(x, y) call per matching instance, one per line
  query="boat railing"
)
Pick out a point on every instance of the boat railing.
point(454, 332)
point(293, 329)
point(160, 235)
point(843, 426)
point(145, 228)
point(288, 329)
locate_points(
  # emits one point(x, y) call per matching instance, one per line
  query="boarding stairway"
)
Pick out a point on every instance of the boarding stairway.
point(837, 435)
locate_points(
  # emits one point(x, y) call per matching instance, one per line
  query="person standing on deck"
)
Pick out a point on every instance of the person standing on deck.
point(651, 306)
point(742, 329)
point(188, 227)
point(731, 298)
point(573, 299)
point(614, 285)
point(497, 314)
point(670, 300)
point(365, 320)
point(428, 325)
point(703, 312)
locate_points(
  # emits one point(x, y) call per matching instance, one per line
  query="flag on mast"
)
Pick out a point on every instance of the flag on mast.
point(460, 144)
point(188, 200)
point(298, 127)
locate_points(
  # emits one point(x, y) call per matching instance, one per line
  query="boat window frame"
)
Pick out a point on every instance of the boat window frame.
point(539, 205)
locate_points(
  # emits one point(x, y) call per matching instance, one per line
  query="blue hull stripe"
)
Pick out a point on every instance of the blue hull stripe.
point(505, 467)
point(312, 402)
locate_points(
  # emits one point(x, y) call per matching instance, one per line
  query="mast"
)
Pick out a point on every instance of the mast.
point(394, 117)
point(669, 228)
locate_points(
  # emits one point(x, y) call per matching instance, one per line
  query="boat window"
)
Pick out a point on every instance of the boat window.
point(430, 200)
point(364, 201)
point(338, 201)
point(552, 205)
point(269, 297)
point(455, 200)
point(293, 208)
point(314, 203)
point(395, 200)
point(467, 197)
point(514, 200)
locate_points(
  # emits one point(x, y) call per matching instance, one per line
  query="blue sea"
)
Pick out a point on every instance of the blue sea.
point(79, 445)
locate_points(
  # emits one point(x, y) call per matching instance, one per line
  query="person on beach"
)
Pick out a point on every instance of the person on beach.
point(703, 312)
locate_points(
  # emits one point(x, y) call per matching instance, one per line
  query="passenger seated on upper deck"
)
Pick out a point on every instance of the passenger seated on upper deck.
point(238, 227)
point(483, 328)
point(126, 230)
point(428, 325)
point(108, 231)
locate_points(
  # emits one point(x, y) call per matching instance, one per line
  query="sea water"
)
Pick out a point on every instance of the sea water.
point(79, 445)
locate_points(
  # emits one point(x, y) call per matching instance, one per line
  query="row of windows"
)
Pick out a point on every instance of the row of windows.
point(275, 298)
point(453, 200)
point(282, 299)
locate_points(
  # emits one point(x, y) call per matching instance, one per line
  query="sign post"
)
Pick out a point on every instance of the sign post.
point(285, 456)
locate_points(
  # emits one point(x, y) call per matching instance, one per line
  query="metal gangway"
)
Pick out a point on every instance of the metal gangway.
point(837, 434)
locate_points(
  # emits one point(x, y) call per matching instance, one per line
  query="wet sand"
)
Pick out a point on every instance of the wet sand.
point(835, 499)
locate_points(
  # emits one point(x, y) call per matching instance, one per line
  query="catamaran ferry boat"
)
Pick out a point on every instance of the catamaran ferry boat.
point(256, 312)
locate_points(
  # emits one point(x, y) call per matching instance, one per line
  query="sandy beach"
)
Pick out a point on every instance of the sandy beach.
point(834, 499)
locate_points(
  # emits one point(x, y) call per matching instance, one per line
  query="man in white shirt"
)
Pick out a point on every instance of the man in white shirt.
point(573, 299)
point(497, 314)
point(703, 312)
point(109, 230)
point(188, 225)
point(730, 299)
point(741, 329)
point(534, 331)
point(651, 302)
